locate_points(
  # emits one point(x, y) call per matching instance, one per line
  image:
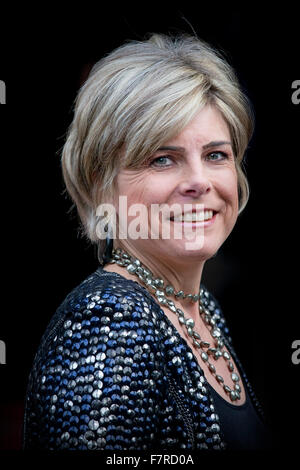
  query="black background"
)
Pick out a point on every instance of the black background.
point(44, 59)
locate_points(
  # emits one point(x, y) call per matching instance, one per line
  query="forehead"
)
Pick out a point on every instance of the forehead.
point(207, 125)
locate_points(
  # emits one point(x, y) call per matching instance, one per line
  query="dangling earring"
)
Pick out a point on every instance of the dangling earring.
point(108, 247)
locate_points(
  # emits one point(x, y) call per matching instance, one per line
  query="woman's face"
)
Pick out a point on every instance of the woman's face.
point(195, 171)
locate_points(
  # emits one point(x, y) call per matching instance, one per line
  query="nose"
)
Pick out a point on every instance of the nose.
point(195, 180)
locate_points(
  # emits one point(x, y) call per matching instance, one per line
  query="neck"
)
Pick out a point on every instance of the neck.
point(185, 276)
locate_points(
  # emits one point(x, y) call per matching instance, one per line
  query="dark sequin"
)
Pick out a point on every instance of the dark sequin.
point(113, 373)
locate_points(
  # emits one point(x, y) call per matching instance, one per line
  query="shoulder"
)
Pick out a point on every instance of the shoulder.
point(103, 317)
point(102, 288)
point(113, 302)
point(104, 299)
point(111, 307)
point(101, 347)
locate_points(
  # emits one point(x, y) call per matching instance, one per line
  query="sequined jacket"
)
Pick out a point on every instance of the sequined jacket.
point(112, 372)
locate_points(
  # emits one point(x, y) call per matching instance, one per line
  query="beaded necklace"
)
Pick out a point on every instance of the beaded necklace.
point(157, 285)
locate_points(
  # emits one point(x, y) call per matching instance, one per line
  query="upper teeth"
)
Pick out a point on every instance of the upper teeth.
point(194, 216)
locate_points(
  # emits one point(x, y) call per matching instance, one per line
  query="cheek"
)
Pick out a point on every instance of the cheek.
point(229, 190)
point(142, 189)
point(233, 194)
point(132, 186)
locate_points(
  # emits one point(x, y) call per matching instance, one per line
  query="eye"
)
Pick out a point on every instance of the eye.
point(217, 156)
point(161, 161)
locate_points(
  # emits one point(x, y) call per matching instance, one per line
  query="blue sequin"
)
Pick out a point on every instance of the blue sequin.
point(136, 315)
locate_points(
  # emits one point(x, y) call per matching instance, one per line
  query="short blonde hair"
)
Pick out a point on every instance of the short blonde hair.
point(135, 99)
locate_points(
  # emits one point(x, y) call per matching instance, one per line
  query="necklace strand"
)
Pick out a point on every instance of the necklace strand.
point(157, 285)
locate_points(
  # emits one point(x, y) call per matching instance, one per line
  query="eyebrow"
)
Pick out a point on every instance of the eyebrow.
point(216, 143)
point(212, 144)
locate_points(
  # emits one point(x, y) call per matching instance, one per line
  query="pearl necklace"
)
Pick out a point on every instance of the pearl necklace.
point(134, 266)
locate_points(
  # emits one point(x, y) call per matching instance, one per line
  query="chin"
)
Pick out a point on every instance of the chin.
point(202, 253)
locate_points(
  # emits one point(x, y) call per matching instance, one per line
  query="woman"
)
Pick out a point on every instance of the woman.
point(139, 356)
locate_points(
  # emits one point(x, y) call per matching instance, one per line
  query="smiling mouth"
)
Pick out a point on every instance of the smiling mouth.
point(201, 216)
